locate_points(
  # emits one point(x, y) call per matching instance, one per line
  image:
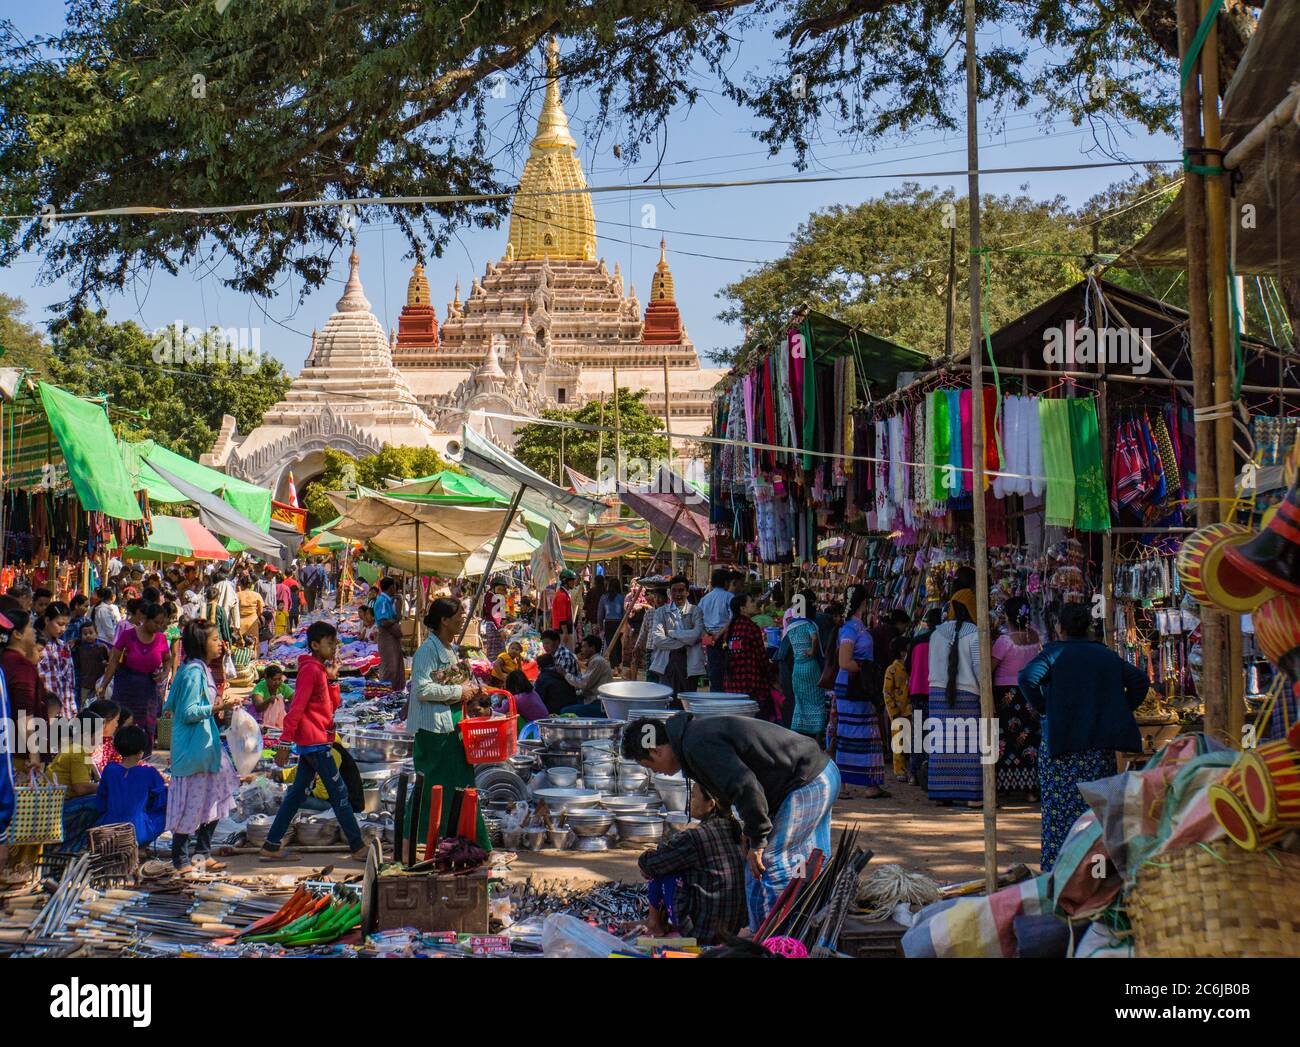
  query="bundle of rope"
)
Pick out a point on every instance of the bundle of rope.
point(887, 885)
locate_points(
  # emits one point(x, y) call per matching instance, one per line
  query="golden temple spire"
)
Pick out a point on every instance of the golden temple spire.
point(551, 215)
point(417, 289)
point(661, 284)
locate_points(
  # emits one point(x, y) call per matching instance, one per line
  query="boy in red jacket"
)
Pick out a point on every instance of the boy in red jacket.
point(310, 725)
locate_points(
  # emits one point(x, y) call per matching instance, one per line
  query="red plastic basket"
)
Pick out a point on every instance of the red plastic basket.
point(491, 739)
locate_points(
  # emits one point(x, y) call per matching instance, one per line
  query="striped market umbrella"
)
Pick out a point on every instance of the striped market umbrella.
point(180, 538)
point(605, 541)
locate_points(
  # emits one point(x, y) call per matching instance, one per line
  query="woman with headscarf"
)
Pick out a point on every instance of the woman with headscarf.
point(955, 773)
point(854, 739)
point(1017, 721)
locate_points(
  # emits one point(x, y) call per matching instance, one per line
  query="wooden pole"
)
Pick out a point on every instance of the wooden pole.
point(419, 587)
point(1216, 203)
point(987, 711)
point(1213, 626)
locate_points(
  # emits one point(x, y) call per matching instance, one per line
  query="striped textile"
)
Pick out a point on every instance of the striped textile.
point(800, 825)
point(955, 776)
point(858, 751)
point(29, 443)
point(605, 541)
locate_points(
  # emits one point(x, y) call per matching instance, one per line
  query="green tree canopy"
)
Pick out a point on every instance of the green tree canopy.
point(23, 344)
point(280, 100)
point(538, 445)
point(177, 403)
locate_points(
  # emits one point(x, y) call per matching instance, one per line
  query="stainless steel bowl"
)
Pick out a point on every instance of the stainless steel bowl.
point(630, 804)
point(561, 758)
point(640, 828)
point(559, 801)
point(590, 823)
point(522, 764)
point(675, 792)
point(559, 839)
point(370, 746)
point(602, 783)
point(314, 831)
point(567, 733)
point(723, 707)
point(562, 777)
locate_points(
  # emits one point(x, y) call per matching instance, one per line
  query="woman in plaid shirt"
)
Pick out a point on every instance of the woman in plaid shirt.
point(697, 879)
point(55, 665)
point(749, 666)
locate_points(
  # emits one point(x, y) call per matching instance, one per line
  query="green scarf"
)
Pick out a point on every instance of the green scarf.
point(1058, 460)
point(809, 392)
point(942, 449)
point(1092, 506)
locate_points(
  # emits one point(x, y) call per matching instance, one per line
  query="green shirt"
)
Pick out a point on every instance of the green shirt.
point(262, 697)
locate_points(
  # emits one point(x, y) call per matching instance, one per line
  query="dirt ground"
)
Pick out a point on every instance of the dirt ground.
point(946, 843)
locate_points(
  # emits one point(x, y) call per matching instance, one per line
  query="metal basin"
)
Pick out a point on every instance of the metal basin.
point(640, 828)
point(315, 831)
point(722, 707)
point(562, 777)
point(602, 783)
point(625, 699)
point(370, 746)
point(567, 733)
point(561, 758)
point(630, 804)
point(590, 823)
point(560, 801)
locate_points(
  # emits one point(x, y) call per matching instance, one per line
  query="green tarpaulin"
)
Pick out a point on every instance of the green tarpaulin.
point(252, 501)
point(90, 453)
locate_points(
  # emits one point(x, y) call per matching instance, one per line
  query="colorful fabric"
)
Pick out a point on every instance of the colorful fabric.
point(1017, 770)
point(898, 704)
point(1091, 508)
point(941, 452)
point(800, 825)
point(955, 775)
point(1062, 803)
point(196, 799)
point(810, 706)
point(1058, 461)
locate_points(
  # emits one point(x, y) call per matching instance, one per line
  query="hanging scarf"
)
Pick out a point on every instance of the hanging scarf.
point(1058, 461)
point(1091, 509)
point(940, 444)
point(956, 458)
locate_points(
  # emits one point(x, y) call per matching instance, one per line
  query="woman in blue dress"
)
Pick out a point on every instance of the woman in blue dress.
point(854, 737)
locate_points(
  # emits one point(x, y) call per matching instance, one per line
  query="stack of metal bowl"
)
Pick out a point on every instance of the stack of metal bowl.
point(625, 699)
point(632, 778)
point(639, 830)
point(674, 790)
point(560, 801)
point(718, 703)
point(591, 828)
point(648, 804)
point(567, 733)
point(562, 777)
point(374, 746)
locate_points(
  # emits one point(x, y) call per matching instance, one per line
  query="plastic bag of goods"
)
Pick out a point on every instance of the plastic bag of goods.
point(568, 936)
point(245, 739)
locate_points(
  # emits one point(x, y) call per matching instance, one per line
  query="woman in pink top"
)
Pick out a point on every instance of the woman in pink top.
point(1017, 770)
point(141, 661)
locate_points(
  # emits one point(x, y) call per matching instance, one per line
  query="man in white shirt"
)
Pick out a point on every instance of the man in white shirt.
point(106, 615)
point(596, 672)
point(716, 608)
point(675, 632)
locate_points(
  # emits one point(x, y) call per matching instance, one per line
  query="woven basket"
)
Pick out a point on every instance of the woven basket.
point(1217, 901)
point(163, 732)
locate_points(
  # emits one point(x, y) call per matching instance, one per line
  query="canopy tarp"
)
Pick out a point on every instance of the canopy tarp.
point(90, 453)
point(1269, 177)
point(507, 475)
point(605, 541)
point(220, 517)
point(390, 524)
point(548, 559)
point(448, 488)
point(252, 501)
point(30, 446)
point(673, 507)
point(515, 548)
point(181, 538)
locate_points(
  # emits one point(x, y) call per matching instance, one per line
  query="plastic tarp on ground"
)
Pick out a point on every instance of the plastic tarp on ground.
point(252, 501)
point(452, 533)
point(673, 507)
point(178, 537)
point(222, 518)
point(507, 475)
point(90, 454)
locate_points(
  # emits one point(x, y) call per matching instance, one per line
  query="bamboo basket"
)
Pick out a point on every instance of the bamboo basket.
point(163, 732)
point(1217, 901)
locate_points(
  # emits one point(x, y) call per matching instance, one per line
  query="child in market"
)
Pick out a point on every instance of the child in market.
point(92, 660)
point(132, 791)
point(508, 661)
point(898, 701)
point(697, 878)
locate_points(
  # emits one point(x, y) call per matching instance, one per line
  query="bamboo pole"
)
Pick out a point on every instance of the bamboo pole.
point(1216, 202)
point(987, 711)
point(1213, 626)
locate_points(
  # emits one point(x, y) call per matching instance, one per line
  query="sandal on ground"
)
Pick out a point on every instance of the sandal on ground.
point(211, 865)
point(277, 854)
point(360, 854)
point(879, 794)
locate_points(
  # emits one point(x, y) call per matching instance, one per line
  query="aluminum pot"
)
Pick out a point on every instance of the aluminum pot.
point(370, 746)
point(558, 801)
point(630, 804)
point(590, 823)
point(602, 783)
point(535, 838)
point(639, 828)
point(567, 733)
point(315, 831)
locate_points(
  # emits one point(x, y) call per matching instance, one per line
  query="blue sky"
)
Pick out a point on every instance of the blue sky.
point(714, 236)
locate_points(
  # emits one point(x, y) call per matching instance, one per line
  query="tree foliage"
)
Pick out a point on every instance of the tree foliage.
point(179, 405)
point(884, 265)
point(538, 445)
point(23, 344)
point(290, 100)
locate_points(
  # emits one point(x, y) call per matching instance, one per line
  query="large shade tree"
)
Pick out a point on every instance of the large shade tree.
point(271, 101)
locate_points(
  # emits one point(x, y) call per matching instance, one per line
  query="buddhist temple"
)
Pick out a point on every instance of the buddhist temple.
point(545, 326)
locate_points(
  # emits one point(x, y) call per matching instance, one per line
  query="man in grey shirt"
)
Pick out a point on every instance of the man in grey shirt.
point(596, 673)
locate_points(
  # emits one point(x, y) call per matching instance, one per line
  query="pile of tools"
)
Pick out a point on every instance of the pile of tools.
point(812, 907)
point(611, 904)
